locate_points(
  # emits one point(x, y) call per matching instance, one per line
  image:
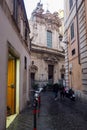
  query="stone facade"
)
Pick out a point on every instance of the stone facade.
point(48, 61)
point(14, 59)
point(76, 48)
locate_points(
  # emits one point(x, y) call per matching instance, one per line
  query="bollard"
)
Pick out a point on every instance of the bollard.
point(39, 103)
point(34, 113)
point(36, 107)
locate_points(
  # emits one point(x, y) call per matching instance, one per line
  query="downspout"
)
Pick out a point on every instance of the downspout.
point(77, 32)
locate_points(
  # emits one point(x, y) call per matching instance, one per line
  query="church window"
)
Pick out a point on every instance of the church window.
point(49, 39)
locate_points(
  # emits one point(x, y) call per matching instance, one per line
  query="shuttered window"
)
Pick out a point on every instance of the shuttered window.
point(72, 31)
point(49, 39)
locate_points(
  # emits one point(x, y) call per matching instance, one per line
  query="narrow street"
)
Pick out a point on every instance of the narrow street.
point(54, 115)
point(43, 50)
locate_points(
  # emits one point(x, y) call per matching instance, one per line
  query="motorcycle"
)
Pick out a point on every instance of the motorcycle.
point(70, 94)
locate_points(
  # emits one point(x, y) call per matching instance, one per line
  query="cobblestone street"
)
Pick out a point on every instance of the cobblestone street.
point(54, 115)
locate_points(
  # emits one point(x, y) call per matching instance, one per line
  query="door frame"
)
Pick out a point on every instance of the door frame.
point(17, 79)
point(52, 72)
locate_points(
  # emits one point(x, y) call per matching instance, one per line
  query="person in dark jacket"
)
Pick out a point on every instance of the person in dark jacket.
point(62, 92)
point(55, 90)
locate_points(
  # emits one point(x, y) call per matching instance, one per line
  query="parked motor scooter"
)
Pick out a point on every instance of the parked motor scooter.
point(70, 94)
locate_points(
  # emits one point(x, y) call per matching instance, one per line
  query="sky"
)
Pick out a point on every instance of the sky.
point(51, 5)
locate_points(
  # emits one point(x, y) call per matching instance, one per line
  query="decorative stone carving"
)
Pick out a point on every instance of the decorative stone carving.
point(33, 68)
point(62, 70)
point(52, 60)
point(49, 18)
point(39, 9)
point(35, 25)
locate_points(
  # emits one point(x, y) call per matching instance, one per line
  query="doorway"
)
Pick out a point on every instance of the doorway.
point(11, 86)
point(50, 73)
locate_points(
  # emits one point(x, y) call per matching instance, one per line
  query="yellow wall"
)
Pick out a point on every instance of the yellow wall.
point(76, 74)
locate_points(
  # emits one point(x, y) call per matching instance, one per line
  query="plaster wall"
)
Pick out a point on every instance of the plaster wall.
point(8, 36)
point(42, 73)
point(74, 59)
point(40, 35)
point(76, 76)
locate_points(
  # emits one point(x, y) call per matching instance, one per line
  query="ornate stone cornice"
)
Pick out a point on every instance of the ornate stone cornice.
point(43, 49)
point(47, 17)
point(52, 59)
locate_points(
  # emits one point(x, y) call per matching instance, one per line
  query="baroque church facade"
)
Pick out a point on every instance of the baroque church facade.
point(47, 54)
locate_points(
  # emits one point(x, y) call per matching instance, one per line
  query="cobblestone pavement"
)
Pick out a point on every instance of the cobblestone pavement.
point(24, 121)
point(54, 115)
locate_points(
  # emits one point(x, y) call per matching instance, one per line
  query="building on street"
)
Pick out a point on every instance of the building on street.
point(14, 60)
point(47, 54)
point(75, 38)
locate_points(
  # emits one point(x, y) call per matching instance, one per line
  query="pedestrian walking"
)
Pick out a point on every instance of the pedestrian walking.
point(62, 92)
point(55, 90)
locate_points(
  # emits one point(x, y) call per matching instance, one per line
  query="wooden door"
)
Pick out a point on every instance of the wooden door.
point(11, 87)
point(50, 73)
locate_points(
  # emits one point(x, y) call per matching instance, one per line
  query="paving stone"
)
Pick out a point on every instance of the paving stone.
point(54, 115)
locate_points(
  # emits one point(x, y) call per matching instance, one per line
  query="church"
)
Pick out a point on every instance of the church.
point(47, 53)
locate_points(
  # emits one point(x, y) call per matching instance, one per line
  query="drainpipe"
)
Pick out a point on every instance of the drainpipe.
point(77, 32)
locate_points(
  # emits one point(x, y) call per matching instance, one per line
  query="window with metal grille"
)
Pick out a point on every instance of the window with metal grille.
point(49, 39)
point(25, 62)
point(72, 31)
point(73, 52)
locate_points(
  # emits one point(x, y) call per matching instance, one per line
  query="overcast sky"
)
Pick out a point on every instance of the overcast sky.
point(51, 5)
